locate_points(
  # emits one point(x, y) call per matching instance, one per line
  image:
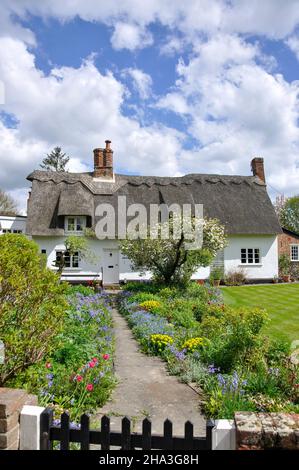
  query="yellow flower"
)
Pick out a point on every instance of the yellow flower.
point(150, 305)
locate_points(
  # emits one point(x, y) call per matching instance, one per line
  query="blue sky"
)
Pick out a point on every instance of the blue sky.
point(179, 87)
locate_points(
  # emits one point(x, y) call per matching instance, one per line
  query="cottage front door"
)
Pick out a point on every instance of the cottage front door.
point(111, 266)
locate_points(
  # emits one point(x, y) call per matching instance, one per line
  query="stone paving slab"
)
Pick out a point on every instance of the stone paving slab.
point(146, 390)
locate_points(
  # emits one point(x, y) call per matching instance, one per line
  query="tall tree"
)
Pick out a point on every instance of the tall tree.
point(7, 205)
point(288, 213)
point(55, 161)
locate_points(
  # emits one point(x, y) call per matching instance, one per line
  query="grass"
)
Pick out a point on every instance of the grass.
point(280, 300)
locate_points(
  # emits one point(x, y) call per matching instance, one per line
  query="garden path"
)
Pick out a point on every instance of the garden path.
point(146, 390)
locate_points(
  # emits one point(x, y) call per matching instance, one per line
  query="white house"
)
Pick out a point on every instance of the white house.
point(67, 203)
point(12, 224)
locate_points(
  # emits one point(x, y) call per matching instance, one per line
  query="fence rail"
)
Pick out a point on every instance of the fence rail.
point(125, 439)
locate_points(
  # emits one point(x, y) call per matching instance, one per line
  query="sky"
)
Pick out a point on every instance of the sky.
point(200, 86)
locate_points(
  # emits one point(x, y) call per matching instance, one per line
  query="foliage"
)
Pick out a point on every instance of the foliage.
point(235, 277)
point(32, 305)
point(7, 205)
point(287, 210)
point(169, 259)
point(224, 352)
point(78, 375)
point(216, 274)
point(193, 344)
point(150, 305)
point(55, 161)
point(284, 264)
point(73, 244)
point(159, 342)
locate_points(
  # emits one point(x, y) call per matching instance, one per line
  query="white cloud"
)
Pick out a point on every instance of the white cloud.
point(130, 36)
point(76, 109)
point(237, 109)
point(174, 102)
point(142, 82)
point(272, 18)
point(293, 43)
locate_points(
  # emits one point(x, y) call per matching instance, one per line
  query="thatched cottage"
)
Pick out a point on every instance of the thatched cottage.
point(65, 203)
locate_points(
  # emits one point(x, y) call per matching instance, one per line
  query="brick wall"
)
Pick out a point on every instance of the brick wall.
point(284, 242)
point(11, 403)
point(258, 431)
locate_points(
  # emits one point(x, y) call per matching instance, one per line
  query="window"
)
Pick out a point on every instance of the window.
point(44, 252)
point(294, 252)
point(71, 261)
point(17, 231)
point(6, 230)
point(250, 256)
point(75, 224)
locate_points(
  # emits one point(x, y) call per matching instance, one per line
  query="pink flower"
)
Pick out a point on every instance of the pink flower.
point(79, 378)
point(92, 364)
point(89, 387)
point(48, 365)
point(95, 359)
point(106, 357)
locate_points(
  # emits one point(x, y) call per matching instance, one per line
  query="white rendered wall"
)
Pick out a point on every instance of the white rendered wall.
point(90, 269)
point(12, 223)
point(267, 269)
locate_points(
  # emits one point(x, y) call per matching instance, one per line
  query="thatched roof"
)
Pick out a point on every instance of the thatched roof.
point(241, 203)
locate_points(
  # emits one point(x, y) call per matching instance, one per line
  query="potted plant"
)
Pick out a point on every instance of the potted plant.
point(284, 267)
point(216, 276)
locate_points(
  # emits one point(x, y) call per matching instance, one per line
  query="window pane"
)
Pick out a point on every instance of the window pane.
point(250, 255)
point(75, 260)
point(243, 255)
point(294, 253)
point(79, 225)
point(71, 224)
point(256, 255)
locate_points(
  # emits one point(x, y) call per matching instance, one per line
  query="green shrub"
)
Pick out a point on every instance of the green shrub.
point(32, 305)
point(234, 336)
point(78, 375)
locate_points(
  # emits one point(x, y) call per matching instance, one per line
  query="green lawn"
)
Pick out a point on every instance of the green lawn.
point(280, 300)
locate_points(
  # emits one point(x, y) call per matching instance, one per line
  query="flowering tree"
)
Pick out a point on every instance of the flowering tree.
point(287, 210)
point(170, 260)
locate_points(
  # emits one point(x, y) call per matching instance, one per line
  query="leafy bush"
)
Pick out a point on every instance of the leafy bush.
point(235, 277)
point(234, 335)
point(78, 375)
point(32, 305)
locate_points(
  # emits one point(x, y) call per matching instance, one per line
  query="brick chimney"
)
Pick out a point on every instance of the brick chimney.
point(257, 167)
point(103, 162)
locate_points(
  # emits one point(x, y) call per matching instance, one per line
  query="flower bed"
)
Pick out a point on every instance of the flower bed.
point(78, 376)
point(221, 349)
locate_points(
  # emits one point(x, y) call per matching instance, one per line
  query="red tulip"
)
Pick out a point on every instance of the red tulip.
point(89, 387)
point(106, 357)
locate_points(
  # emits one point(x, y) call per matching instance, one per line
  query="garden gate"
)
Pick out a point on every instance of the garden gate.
point(125, 439)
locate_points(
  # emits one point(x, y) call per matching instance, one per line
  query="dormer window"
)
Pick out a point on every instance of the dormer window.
point(75, 224)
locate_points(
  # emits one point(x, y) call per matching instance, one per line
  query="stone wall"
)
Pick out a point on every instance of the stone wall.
point(11, 403)
point(258, 431)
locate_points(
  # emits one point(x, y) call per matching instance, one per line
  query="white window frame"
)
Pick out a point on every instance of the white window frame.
point(254, 263)
point(76, 218)
point(73, 258)
point(294, 245)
